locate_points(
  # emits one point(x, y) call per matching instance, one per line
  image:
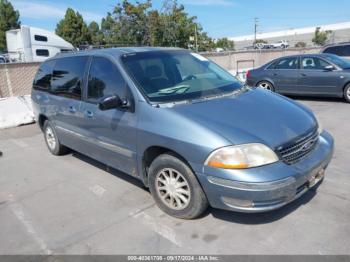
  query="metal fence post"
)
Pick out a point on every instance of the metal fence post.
point(8, 81)
point(230, 60)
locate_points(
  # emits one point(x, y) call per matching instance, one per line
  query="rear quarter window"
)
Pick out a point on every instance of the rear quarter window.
point(42, 80)
point(342, 50)
point(272, 65)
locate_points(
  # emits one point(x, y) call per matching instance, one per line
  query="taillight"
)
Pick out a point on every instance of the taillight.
point(248, 74)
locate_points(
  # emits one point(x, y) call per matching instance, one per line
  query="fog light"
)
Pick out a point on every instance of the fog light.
point(234, 202)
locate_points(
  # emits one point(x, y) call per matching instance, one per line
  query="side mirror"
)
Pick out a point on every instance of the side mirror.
point(111, 102)
point(329, 68)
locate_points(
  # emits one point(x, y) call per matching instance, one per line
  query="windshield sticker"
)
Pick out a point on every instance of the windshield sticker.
point(199, 57)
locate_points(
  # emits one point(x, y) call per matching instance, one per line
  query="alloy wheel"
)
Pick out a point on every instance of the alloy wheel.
point(348, 93)
point(265, 85)
point(50, 138)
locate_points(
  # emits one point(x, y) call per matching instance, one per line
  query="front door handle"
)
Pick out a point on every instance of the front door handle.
point(72, 109)
point(89, 114)
point(302, 74)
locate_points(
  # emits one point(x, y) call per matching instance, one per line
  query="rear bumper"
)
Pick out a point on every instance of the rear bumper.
point(250, 82)
point(246, 196)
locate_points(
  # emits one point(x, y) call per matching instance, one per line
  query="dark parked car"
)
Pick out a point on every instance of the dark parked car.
point(340, 49)
point(4, 58)
point(314, 74)
point(185, 127)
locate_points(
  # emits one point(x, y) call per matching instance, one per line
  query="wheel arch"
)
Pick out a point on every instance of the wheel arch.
point(152, 153)
point(266, 80)
point(345, 85)
point(41, 120)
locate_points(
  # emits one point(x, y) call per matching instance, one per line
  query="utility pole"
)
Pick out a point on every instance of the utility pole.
point(195, 37)
point(256, 21)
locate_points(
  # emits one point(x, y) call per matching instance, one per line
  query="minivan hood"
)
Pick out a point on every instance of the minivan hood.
point(253, 116)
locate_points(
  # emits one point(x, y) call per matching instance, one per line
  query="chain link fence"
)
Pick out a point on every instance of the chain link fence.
point(16, 79)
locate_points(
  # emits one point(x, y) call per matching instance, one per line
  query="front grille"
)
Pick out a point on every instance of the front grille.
point(293, 152)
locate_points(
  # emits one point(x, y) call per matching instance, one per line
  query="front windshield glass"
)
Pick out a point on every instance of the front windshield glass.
point(169, 76)
point(339, 61)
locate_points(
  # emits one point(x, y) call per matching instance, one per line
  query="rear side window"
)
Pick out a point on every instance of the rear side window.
point(272, 65)
point(336, 50)
point(68, 75)
point(287, 63)
point(42, 80)
point(342, 50)
point(104, 80)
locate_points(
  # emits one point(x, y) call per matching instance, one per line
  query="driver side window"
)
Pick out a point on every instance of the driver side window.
point(104, 80)
point(314, 63)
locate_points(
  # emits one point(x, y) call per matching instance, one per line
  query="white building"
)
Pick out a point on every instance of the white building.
point(30, 44)
point(340, 33)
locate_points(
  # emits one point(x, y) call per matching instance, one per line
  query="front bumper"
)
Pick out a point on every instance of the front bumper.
point(269, 187)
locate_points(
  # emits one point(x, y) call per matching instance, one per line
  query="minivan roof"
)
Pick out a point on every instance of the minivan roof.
point(114, 51)
point(336, 44)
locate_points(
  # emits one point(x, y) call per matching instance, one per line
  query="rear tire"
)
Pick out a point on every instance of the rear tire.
point(175, 188)
point(347, 93)
point(266, 85)
point(52, 141)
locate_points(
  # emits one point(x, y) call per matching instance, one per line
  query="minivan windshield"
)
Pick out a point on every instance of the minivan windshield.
point(339, 61)
point(175, 75)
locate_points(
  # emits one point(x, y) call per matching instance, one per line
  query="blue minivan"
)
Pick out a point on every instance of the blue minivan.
point(189, 130)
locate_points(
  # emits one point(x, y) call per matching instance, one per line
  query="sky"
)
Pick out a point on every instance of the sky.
point(220, 18)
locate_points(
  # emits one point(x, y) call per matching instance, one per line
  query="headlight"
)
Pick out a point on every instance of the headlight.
point(241, 156)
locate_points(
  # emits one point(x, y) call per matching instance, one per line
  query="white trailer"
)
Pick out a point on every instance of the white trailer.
point(30, 44)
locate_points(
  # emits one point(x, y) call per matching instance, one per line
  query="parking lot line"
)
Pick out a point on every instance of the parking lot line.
point(25, 220)
point(19, 143)
point(162, 230)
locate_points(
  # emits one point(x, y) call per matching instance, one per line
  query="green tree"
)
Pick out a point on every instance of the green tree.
point(178, 27)
point(225, 44)
point(300, 44)
point(205, 43)
point(108, 29)
point(128, 24)
point(73, 28)
point(139, 24)
point(260, 41)
point(95, 35)
point(320, 37)
point(9, 19)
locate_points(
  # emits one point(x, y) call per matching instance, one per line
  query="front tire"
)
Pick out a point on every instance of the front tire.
point(347, 93)
point(175, 188)
point(52, 141)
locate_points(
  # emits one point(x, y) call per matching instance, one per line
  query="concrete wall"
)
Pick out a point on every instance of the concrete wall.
point(254, 58)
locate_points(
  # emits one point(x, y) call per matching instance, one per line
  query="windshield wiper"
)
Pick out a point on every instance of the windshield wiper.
point(237, 91)
point(174, 89)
